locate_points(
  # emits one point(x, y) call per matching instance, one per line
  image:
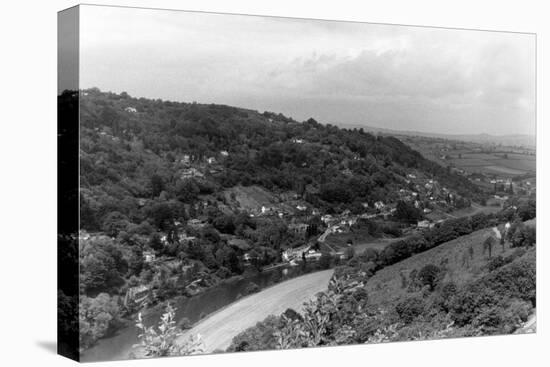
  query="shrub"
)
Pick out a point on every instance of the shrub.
point(429, 275)
point(252, 288)
point(409, 309)
point(495, 263)
point(163, 341)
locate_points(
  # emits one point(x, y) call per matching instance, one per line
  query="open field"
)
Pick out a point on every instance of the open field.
point(251, 197)
point(385, 287)
point(476, 158)
point(218, 329)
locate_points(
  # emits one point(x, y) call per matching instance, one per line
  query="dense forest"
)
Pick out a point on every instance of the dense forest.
point(133, 148)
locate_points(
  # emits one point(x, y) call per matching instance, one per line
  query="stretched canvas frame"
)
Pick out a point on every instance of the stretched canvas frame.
point(455, 241)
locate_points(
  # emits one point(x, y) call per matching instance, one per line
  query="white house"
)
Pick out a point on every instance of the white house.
point(423, 224)
point(148, 256)
point(130, 109)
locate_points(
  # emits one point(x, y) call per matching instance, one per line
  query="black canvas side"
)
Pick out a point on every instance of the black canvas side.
point(67, 183)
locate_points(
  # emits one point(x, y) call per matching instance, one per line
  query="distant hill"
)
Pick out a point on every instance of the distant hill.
point(139, 153)
point(522, 140)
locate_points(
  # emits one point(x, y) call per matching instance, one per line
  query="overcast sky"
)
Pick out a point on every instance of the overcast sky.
point(397, 77)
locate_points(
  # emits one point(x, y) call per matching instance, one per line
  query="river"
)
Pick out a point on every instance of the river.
point(118, 346)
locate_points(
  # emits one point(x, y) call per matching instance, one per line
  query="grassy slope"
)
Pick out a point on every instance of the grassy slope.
point(218, 329)
point(384, 288)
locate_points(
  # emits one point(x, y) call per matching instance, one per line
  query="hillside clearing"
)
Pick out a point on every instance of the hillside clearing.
point(385, 287)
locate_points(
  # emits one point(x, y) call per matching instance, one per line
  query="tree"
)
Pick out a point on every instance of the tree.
point(407, 212)
point(101, 265)
point(429, 275)
point(96, 317)
point(157, 185)
point(488, 245)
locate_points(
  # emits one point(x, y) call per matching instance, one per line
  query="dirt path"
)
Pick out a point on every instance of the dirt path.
point(218, 329)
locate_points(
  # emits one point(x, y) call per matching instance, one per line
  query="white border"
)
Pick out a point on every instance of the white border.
point(28, 151)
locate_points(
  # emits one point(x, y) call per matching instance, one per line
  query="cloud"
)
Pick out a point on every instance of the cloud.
point(339, 72)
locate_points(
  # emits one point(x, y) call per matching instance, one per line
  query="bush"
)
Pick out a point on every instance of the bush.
point(251, 288)
point(495, 263)
point(429, 275)
point(410, 309)
point(524, 236)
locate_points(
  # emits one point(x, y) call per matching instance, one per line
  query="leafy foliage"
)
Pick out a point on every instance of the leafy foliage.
point(166, 340)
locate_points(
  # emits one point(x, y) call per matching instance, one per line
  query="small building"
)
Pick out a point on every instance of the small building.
point(224, 153)
point(423, 224)
point(130, 109)
point(298, 141)
point(191, 173)
point(379, 205)
point(184, 238)
point(301, 207)
point(295, 253)
point(186, 159)
point(298, 228)
point(210, 160)
point(239, 244)
point(195, 223)
point(149, 256)
point(137, 295)
point(250, 256)
point(313, 255)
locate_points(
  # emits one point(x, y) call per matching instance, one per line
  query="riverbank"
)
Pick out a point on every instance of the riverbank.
point(218, 329)
point(118, 345)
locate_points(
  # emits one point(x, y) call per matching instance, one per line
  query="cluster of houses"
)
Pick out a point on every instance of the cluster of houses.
point(195, 167)
point(306, 252)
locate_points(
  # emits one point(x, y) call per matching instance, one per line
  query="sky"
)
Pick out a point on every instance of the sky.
point(396, 77)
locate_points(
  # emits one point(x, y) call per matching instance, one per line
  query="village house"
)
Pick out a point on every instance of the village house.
point(184, 238)
point(298, 141)
point(298, 228)
point(250, 256)
point(137, 295)
point(424, 224)
point(224, 153)
point(301, 207)
point(294, 253)
point(195, 223)
point(130, 109)
point(379, 205)
point(190, 173)
point(239, 244)
point(186, 159)
point(313, 255)
point(210, 160)
point(149, 256)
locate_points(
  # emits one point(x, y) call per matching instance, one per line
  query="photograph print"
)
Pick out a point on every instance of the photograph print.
point(234, 183)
